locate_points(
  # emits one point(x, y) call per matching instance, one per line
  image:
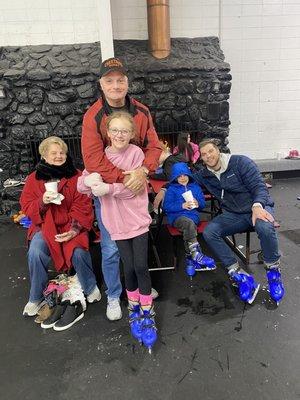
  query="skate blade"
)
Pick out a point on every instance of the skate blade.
point(206, 269)
point(250, 301)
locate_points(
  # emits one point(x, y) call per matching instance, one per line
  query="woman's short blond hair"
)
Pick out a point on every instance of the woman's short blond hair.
point(46, 143)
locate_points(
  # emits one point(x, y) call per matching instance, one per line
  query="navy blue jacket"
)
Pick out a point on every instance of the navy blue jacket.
point(239, 186)
point(173, 199)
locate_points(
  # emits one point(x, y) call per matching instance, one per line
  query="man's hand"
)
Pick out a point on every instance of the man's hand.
point(260, 213)
point(159, 198)
point(136, 181)
point(65, 237)
point(92, 179)
point(49, 196)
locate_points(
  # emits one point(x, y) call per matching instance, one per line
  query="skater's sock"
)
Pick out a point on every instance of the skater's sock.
point(234, 268)
point(146, 301)
point(273, 265)
point(133, 296)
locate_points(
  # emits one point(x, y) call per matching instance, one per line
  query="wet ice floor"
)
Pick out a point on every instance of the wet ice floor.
point(210, 346)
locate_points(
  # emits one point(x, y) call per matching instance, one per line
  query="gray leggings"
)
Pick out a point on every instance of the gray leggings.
point(189, 230)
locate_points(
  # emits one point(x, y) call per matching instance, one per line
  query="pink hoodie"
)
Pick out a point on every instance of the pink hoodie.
point(124, 214)
point(196, 151)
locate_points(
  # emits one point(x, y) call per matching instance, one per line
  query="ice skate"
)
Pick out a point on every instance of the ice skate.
point(190, 267)
point(276, 287)
point(149, 330)
point(135, 322)
point(247, 286)
point(202, 262)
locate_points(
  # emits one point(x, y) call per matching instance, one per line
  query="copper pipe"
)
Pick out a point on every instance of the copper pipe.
point(159, 28)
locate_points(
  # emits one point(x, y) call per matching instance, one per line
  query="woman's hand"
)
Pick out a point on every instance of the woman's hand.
point(49, 196)
point(65, 237)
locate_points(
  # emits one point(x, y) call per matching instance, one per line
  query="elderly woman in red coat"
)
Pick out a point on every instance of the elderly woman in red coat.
point(60, 219)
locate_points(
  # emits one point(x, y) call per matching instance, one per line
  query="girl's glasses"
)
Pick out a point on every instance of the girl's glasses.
point(123, 132)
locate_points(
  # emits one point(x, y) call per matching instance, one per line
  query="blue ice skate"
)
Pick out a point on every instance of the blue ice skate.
point(204, 263)
point(276, 287)
point(149, 330)
point(246, 284)
point(201, 262)
point(190, 268)
point(135, 322)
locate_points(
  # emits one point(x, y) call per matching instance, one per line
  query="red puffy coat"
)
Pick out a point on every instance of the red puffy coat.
point(53, 219)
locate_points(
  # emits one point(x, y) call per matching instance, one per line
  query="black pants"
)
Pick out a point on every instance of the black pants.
point(188, 229)
point(134, 255)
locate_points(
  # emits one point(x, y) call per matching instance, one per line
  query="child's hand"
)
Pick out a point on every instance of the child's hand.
point(188, 205)
point(100, 189)
point(196, 204)
point(92, 179)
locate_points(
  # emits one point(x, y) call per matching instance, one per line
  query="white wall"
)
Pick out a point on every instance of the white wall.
point(260, 39)
point(30, 22)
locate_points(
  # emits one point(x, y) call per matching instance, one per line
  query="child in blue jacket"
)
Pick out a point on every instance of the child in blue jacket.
point(185, 215)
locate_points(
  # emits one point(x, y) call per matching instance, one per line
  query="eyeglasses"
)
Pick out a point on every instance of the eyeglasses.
point(122, 132)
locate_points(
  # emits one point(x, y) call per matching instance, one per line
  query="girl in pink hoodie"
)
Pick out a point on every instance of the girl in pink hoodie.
point(125, 216)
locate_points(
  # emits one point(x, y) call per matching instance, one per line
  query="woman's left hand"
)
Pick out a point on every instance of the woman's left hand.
point(65, 237)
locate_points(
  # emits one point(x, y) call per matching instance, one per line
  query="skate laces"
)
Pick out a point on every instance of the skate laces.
point(148, 319)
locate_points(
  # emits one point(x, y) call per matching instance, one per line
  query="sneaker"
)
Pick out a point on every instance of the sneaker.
point(73, 313)
point(58, 311)
point(154, 293)
point(31, 308)
point(94, 296)
point(113, 310)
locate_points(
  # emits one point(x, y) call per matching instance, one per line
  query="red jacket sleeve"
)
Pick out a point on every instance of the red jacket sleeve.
point(152, 149)
point(31, 199)
point(92, 148)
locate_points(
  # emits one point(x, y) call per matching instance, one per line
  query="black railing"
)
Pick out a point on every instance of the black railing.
point(166, 133)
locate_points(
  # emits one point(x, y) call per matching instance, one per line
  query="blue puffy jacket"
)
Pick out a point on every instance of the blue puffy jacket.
point(239, 186)
point(173, 199)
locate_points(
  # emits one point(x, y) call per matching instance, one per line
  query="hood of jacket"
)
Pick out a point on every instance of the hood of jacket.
point(180, 168)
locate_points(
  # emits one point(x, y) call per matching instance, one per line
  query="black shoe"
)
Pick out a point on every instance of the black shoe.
point(59, 309)
point(73, 313)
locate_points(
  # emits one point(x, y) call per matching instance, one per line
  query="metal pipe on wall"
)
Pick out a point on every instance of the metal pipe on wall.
point(158, 16)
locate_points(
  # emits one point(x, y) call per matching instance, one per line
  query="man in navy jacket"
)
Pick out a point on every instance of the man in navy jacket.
point(245, 202)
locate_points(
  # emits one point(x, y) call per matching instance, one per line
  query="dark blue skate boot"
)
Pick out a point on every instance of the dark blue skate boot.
point(149, 330)
point(202, 262)
point(190, 267)
point(276, 287)
point(246, 285)
point(135, 322)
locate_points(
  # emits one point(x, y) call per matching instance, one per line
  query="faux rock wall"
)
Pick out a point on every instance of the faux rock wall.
point(48, 89)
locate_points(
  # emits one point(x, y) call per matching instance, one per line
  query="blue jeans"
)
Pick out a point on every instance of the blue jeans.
point(110, 257)
point(228, 223)
point(38, 262)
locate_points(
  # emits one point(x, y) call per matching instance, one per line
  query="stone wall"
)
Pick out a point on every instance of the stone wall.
point(48, 88)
